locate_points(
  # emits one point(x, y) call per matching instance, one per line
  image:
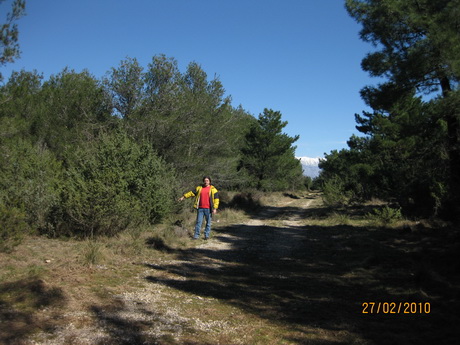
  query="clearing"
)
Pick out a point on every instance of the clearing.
point(287, 274)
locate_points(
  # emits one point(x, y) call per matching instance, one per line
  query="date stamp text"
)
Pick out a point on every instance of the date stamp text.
point(396, 307)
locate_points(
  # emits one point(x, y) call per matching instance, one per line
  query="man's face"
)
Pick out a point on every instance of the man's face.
point(206, 182)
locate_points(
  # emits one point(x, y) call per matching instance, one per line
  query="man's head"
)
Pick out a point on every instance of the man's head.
point(206, 181)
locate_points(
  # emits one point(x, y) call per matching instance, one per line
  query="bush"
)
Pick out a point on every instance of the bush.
point(30, 176)
point(335, 193)
point(13, 227)
point(113, 184)
point(246, 201)
point(340, 218)
point(385, 216)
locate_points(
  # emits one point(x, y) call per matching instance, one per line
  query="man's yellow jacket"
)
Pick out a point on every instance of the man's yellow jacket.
point(213, 197)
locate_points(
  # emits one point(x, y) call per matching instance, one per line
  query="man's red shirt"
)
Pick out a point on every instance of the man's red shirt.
point(204, 197)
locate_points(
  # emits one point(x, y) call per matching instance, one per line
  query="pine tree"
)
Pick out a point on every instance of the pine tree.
point(418, 46)
point(268, 156)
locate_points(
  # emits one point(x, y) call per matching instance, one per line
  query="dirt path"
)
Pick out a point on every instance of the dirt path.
point(250, 284)
point(228, 290)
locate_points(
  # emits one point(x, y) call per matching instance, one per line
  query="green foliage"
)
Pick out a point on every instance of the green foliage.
point(418, 41)
point(84, 157)
point(68, 108)
point(334, 193)
point(246, 201)
point(340, 218)
point(268, 155)
point(125, 86)
point(112, 184)
point(385, 216)
point(308, 182)
point(74, 108)
point(19, 96)
point(183, 116)
point(13, 227)
point(402, 158)
point(30, 179)
point(9, 33)
point(410, 151)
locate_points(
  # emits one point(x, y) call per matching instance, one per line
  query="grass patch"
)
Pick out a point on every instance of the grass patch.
point(93, 252)
point(229, 216)
point(340, 218)
point(384, 216)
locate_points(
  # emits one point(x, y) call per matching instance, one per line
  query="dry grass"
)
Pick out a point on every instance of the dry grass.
point(292, 273)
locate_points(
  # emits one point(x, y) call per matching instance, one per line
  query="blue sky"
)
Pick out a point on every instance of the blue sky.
point(300, 57)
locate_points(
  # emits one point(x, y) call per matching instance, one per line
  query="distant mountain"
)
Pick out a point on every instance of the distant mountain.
point(310, 166)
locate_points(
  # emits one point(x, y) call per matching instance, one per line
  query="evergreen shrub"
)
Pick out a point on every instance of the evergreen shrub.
point(246, 201)
point(114, 184)
point(13, 227)
point(30, 178)
point(335, 193)
point(385, 216)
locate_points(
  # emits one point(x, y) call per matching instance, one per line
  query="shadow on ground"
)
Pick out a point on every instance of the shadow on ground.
point(16, 322)
point(319, 276)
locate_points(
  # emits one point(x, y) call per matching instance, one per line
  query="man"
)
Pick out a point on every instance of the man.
point(206, 203)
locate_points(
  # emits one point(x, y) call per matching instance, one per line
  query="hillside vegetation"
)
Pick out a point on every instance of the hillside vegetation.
point(84, 157)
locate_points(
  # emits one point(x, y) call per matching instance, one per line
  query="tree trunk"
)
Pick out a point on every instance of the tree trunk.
point(452, 208)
